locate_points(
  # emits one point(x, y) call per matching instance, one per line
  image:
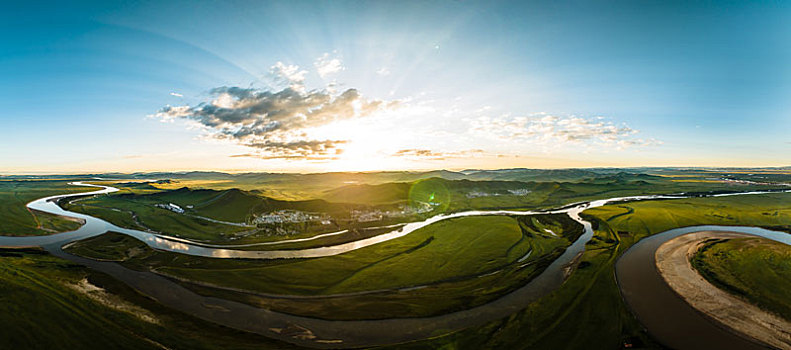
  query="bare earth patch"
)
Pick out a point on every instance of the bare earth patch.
point(99, 295)
point(673, 263)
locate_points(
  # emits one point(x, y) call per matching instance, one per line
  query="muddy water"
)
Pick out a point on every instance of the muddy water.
point(670, 319)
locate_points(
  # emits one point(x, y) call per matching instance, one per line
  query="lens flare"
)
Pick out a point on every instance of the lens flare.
point(429, 195)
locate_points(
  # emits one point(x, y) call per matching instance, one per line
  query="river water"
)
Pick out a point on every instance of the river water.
point(667, 316)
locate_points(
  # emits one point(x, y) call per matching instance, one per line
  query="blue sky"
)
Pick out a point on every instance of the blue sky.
point(393, 85)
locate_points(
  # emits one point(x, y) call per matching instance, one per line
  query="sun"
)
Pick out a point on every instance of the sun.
point(368, 146)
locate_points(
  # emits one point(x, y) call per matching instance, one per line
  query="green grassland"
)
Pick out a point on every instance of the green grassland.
point(765, 175)
point(756, 269)
point(129, 187)
point(587, 311)
point(133, 206)
point(236, 205)
point(451, 260)
point(310, 186)
point(17, 220)
point(144, 215)
point(381, 266)
point(353, 234)
point(649, 217)
point(291, 187)
point(428, 300)
point(446, 259)
point(470, 246)
point(468, 195)
point(49, 303)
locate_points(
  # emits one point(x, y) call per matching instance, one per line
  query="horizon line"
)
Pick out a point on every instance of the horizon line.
point(232, 172)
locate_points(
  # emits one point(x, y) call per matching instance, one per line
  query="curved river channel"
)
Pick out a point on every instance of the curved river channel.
point(655, 303)
point(317, 333)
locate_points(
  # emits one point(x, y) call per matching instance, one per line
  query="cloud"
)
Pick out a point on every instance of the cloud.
point(289, 75)
point(383, 71)
point(304, 150)
point(548, 129)
point(427, 154)
point(176, 94)
point(300, 149)
point(275, 123)
point(326, 66)
point(418, 153)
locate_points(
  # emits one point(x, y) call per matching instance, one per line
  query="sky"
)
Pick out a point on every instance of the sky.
point(301, 86)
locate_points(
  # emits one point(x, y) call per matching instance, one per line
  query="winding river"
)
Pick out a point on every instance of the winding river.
point(315, 333)
point(655, 303)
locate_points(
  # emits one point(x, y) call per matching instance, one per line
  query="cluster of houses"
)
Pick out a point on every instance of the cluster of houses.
point(517, 192)
point(402, 211)
point(291, 216)
point(170, 206)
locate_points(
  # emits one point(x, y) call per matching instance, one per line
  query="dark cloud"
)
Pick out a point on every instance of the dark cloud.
point(298, 149)
point(273, 121)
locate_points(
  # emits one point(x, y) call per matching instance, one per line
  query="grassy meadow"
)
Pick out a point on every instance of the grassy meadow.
point(448, 259)
point(50, 303)
point(650, 217)
point(217, 199)
point(591, 296)
point(447, 266)
point(17, 220)
point(144, 215)
point(756, 269)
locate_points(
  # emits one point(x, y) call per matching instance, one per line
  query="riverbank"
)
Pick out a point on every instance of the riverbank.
point(673, 263)
point(654, 303)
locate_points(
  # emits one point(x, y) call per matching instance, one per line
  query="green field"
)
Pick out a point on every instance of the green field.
point(49, 303)
point(328, 185)
point(216, 198)
point(448, 256)
point(437, 252)
point(17, 220)
point(135, 208)
point(448, 266)
point(117, 209)
point(640, 219)
point(485, 191)
point(588, 312)
point(755, 269)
